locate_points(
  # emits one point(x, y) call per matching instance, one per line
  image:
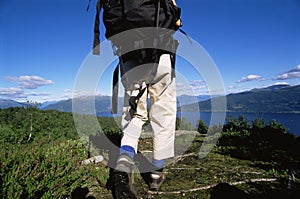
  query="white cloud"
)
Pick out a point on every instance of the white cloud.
point(233, 89)
point(194, 87)
point(18, 93)
point(198, 84)
point(249, 78)
point(69, 93)
point(281, 83)
point(291, 74)
point(11, 92)
point(29, 82)
point(38, 94)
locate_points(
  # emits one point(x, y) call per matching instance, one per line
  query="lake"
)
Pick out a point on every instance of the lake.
point(289, 120)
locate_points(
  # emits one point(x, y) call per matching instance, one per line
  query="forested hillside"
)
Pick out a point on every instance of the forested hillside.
point(269, 100)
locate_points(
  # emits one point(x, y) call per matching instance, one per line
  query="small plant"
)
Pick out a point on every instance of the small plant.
point(202, 128)
point(183, 124)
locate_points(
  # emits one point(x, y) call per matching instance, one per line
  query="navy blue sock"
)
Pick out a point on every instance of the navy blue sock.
point(129, 150)
point(158, 163)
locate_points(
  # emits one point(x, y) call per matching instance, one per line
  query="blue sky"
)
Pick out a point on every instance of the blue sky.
point(254, 43)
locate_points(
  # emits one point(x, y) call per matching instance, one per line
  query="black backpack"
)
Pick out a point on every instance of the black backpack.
point(123, 15)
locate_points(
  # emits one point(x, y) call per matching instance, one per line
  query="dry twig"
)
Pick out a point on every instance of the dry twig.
point(211, 186)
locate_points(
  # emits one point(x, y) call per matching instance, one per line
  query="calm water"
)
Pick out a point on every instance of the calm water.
point(289, 120)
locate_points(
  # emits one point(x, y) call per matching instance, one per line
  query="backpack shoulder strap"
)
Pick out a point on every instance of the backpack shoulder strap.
point(96, 42)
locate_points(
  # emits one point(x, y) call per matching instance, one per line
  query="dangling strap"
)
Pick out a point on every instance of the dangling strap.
point(115, 82)
point(186, 35)
point(96, 43)
point(115, 89)
point(88, 6)
point(133, 100)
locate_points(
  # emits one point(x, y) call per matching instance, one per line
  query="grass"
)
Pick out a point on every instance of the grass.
point(191, 172)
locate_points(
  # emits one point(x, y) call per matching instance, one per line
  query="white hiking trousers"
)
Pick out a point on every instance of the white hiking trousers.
point(157, 82)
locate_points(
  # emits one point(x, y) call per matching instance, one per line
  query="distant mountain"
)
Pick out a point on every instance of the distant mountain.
point(47, 103)
point(10, 103)
point(274, 99)
point(187, 99)
point(272, 88)
point(103, 104)
point(83, 105)
point(277, 98)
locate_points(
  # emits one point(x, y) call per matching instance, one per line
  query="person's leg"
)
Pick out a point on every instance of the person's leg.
point(162, 117)
point(163, 110)
point(133, 118)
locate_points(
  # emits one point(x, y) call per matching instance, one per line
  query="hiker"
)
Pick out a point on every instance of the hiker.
point(145, 71)
point(159, 83)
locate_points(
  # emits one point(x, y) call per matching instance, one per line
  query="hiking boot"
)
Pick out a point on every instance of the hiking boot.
point(123, 177)
point(157, 179)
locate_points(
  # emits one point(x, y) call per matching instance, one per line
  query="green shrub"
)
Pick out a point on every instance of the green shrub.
point(47, 170)
point(202, 128)
point(183, 124)
point(260, 141)
point(41, 154)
